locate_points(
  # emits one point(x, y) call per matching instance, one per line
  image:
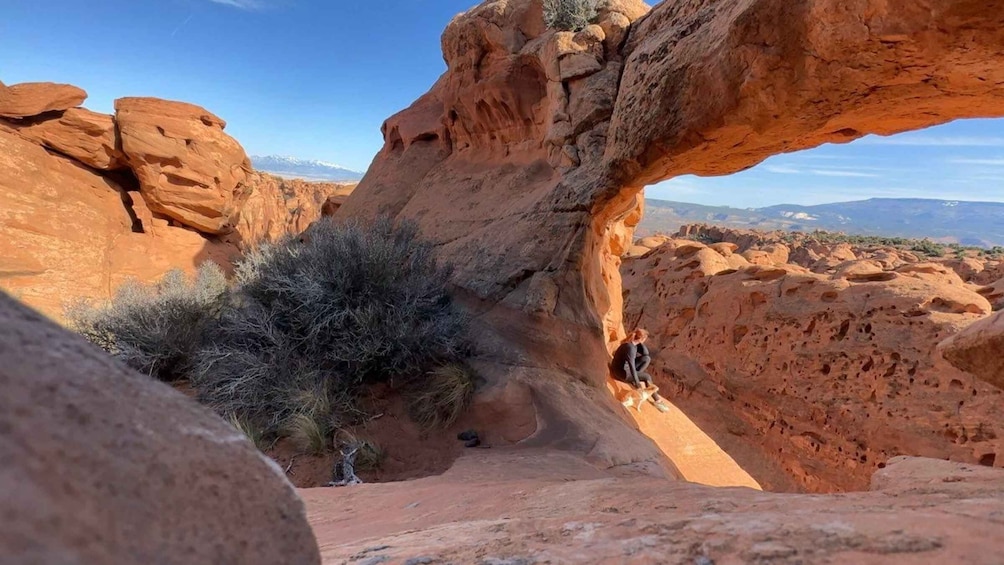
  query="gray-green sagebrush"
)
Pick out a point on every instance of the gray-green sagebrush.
point(307, 321)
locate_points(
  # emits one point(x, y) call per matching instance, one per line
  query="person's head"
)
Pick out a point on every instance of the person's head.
point(639, 336)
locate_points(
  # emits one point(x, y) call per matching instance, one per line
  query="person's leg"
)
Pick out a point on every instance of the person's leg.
point(646, 379)
point(643, 362)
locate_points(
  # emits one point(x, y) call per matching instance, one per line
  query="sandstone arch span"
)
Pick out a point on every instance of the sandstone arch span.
point(526, 160)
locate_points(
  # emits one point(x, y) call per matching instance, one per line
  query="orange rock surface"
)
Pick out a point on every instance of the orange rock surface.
point(33, 98)
point(272, 207)
point(813, 380)
point(85, 136)
point(532, 506)
point(188, 169)
point(74, 216)
point(979, 349)
point(541, 142)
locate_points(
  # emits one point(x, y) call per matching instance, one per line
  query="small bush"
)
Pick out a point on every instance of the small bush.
point(314, 318)
point(308, 321)
point(569, 15)
point(311, 433)
point(928, 248)
point(155, 329)
point(443, 396)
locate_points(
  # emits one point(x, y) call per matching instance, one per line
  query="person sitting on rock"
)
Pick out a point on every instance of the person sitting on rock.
point(629, 364)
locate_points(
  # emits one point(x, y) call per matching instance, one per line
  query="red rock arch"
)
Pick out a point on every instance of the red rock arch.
point(534, 197)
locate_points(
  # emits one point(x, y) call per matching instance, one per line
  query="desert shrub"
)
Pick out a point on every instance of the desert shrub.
point(313, 318)
point(443, 396)
point(155, 329)
point(569, 15)
point(311, 433)
point(996, 252)
point(928, 247)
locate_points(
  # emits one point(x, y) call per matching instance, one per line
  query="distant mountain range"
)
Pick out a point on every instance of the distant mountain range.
point(944, 221)
point(291, 167)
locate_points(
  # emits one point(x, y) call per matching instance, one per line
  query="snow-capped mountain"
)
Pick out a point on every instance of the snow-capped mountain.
point(291, 167)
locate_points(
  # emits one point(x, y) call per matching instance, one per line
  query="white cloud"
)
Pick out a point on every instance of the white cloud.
point(838, 173)
point(810, 155)
point(935, 141)
point(782, 170)
point(676, 186)
point(830, 172)
point(241, 4)
point(988, 162)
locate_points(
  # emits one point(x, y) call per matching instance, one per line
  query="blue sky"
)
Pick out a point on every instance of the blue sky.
point(315, 79)
point(310, 78)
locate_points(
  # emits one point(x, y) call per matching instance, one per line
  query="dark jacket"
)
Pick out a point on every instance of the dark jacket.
point(626, 361)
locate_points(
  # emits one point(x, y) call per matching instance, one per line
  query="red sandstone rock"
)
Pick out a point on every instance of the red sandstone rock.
point(80, 134)
point(68, 232)
point(525, 506)
point(994, 293)
point(188, 169)
point(808, 377)
point(548, 170)
point(272, 207)
point(33, 98)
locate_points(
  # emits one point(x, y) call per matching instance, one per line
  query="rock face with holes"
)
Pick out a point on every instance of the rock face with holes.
point(88, 200)
point(813, 380)
point(104, 465)
point(541, 140)
point(979, 349)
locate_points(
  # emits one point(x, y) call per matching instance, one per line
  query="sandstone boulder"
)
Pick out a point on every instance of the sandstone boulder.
point(104, 465)
point(188, 169)
point(88, 137)
point(69, 232)
point(979, 349)
point(33, 98)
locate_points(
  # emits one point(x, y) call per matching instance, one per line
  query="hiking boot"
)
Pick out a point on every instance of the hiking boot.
point(661, 406)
